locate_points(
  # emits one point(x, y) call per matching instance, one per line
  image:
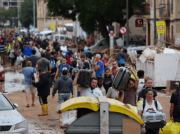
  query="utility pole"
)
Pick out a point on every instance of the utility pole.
point(155, 22)
point(76, 30)
point(127, 21)
point(44, 14)
point(34, 9)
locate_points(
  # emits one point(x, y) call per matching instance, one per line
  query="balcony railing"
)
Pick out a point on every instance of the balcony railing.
point(164, 10)
point(143, 10)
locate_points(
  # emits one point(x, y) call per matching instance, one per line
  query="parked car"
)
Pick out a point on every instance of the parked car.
point(60, 38)
point(42, 35)
point(101, 44)
point(11, 121)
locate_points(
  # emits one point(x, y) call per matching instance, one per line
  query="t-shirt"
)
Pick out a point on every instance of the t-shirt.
point(175, 100)
point(142, 94)
point(114, 72)
point(90, 93)
point(104, 61)
point(140, 85)
point(61, 66)
point(70, 71)
point(130, 96)
point(150, 108)
point(48, 56)
point(27, 72)
point(44, 64)
point(101, 70)
point(86, 65)
point(34, 60)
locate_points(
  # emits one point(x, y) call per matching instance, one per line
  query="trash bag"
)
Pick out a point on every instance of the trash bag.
point(170, 128)
point(19, 60)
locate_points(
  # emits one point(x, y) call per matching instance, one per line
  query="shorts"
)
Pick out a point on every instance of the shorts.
point(30, 89)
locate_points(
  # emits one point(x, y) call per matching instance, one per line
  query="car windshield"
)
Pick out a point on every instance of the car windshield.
point(62, 37)
point(39, 35)
point(56, 37)
point(4, 103)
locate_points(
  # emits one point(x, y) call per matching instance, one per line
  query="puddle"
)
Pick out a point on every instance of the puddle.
point(13, 81)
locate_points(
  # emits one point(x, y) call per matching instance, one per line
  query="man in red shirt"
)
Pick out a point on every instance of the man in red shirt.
point(106, 63)
point(114, 69)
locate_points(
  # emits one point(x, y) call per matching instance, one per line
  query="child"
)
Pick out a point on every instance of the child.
point(12, 56)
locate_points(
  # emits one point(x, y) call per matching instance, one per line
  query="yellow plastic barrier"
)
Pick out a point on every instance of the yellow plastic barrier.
point(170, 128)
point(92, 103)
point(119, 107)
point(80, 102)
point(138, 103)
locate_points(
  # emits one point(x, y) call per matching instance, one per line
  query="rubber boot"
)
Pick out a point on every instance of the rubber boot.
point(43, 110)
point(47, 109)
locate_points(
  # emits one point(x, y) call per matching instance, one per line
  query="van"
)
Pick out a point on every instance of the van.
point(42, 35)
point(60, 38)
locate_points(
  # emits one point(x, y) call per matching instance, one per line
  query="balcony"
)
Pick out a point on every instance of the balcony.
point(164, 11)
point(143, 10)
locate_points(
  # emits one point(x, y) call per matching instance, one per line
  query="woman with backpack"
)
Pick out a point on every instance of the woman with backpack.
point(150, 105)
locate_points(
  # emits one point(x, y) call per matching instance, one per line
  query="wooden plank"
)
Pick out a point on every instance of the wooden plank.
point(131, 126)
point(168, 86)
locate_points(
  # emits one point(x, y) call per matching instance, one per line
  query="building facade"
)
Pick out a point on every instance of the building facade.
point(42, 23)
point(10, 3)
point(168, 11)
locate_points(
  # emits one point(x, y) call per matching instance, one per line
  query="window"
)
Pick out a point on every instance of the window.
point(4, 103)
point(56, 37)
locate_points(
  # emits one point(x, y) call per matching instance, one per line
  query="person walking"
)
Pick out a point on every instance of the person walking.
point(60, 67)
point(43, 63)
point(64, 87)
point(34, 58)
point(43, 87)
point(175, 105)
point(120, 58)
point(29, 88)
point(12, 55)
point(3, 52)
point(150, 105)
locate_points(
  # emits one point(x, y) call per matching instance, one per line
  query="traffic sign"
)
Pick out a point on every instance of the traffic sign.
point(52, 26)
point(111, 29)
point(161, 27)
point(123, 30)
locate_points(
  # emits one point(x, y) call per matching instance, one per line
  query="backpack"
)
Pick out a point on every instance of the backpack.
point(178, 105)
point(144, 104)
point(53, 65)
point(75, 71)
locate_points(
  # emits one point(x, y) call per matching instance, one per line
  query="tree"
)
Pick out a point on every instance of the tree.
point(93, 15)
point(26, 13)
point(7, 14)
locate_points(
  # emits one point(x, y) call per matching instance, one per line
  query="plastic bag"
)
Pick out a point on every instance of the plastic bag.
point(170, 128)
point(19, 60)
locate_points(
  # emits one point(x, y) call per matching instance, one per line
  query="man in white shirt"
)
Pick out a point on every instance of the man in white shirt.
point(91, 91)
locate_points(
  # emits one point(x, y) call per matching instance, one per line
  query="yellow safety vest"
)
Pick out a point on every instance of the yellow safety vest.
point(9, 47)
point(132, 76)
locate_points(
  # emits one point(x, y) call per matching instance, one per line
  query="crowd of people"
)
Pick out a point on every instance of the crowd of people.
point(59, 67)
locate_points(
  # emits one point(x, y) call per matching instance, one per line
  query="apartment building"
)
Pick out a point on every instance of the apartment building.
point(168, 11)
point(10, 3)
point(48, 19)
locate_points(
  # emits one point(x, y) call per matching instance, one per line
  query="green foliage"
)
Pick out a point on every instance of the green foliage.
point(93, 15)
point(26, 13)
point(6, 15)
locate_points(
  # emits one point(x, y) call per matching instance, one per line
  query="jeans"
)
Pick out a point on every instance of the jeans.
point(12, 61)
point(63, 97)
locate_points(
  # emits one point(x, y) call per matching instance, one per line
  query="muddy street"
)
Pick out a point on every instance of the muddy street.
point(13, 86)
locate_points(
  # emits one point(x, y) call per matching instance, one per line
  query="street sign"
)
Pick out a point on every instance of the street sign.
point(123, 30)
point(160, 27)
point(31, 26)
point(139, 22)
point(52, 26)
point(111, 29)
